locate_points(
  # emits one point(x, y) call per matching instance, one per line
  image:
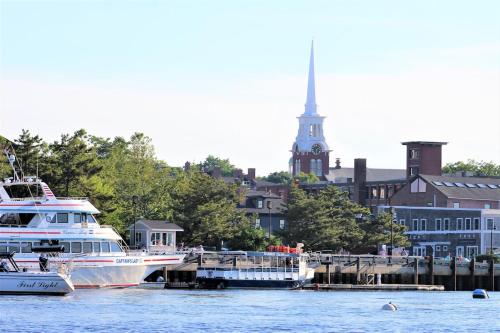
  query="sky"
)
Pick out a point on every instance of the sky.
point(229, 78)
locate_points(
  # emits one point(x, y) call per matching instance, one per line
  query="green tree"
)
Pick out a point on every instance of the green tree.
point(481, 168)
point(29, 152)
point(378, 231)
point(212, 162)
point(327, 220)
point(206, 208)
point(309, 178)
point(281, 177)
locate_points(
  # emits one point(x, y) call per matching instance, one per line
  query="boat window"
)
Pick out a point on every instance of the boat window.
point(97, 247)
point(115, 247)
point(77, 218)
point(76, 247)
point(87, 247)
point(105, 246)
point(25, 247)
point(66, 246)
point(3, 247)
point(90, 219)
point(14, 247)
point(62, 217)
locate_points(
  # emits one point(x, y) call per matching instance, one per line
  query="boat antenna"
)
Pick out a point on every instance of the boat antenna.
point(11, 158)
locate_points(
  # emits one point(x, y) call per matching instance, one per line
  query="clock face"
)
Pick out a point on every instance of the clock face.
point(316, 149)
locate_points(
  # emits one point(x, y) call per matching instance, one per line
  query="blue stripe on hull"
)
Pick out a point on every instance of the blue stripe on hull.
point(257, 284)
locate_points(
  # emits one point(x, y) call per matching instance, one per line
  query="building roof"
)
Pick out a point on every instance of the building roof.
point(372, 174)
point(472, 188)
point(254, 193)
point(157, 224)
point(426, 143)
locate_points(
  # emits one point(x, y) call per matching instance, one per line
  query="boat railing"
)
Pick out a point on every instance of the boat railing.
point(44, 199)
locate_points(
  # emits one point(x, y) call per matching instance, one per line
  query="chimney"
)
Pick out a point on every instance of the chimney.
point(251, 174)
point(337, 163)
point(360, 180)
point(423, 157)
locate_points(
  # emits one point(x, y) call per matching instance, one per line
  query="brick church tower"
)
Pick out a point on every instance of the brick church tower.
point(310, 152)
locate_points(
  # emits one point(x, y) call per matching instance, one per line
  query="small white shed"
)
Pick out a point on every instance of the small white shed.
point(154, 235)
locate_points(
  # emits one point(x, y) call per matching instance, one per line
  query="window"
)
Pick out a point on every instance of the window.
point(460, 184)
point(260, 204)
point(437, 183)
point(105, 247)
point(14, 247)
point(90, 219)
point(62, 217)
point(164, 238)
point(402, 222)
point(282, 224)
point(77, 218)
point(382, 192)
point(438, 248)
point(470, 185)
point(481, 185)
point(257, 223)
point(456, 205)
point(415, 224)
point(66, 246)
point(477, 223)
point(115, 247)
point(492, 186)
point(413, 171)
point(472, 251)
point(97, 247)
point(312, 166)
point(460, 224)
point(448, 184)
point(445, 247)
point(155, 238)
point(487, 206)
point(170, 239)
point(297, 167)
point(438, 225)
point(414, 154)
point(489, 224)
point(319, 168)
point(468, 222)
point(446, 224)
point(76, 247)
point(26, 247)
point(374, 192)
point(418, 185)
point(87, 247)
point(423, 224)
point(138, 237)
point(3, 247)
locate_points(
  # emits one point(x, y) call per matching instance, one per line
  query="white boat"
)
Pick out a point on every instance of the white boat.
point(13, 281)
point(242, 269)
point(98, 255)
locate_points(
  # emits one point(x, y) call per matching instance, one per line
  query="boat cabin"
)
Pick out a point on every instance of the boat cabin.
point(153, 235)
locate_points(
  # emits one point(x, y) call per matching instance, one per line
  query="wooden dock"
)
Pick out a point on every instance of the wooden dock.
point(370, 287)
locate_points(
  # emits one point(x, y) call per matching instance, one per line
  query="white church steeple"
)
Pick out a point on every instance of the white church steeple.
point(310, 152)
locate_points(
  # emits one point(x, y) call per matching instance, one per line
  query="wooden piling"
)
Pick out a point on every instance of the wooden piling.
point(453, 264)
point(328, 273)
point(492, 274)
point(472, 270)
point(431, 269)
point(415, 271)
point(358, 276)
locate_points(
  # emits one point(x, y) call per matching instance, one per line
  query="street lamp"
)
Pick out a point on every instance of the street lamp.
point(493, 227)
point(135, 198)
point(269, 207)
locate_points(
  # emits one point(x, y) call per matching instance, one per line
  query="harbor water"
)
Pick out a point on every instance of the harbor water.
point(139, 310)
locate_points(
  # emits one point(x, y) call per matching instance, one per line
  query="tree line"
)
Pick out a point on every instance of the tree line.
point(111, 172)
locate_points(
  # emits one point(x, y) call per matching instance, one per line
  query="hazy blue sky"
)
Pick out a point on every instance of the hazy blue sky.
point(229, 77)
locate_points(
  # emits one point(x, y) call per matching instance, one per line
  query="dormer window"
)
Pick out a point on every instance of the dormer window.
point(414, 154)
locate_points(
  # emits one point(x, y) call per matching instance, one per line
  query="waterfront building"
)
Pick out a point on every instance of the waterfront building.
point(443, 231)
point(154, 235)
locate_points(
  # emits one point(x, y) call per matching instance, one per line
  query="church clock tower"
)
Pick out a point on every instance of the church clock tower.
point(310, 153)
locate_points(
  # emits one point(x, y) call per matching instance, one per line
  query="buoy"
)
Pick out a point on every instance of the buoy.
point(480, 293)
point(389, 306)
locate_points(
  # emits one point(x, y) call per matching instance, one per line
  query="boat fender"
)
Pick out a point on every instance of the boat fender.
point(389, 306)
point(480, 293)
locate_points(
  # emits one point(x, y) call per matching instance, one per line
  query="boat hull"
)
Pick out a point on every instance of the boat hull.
point(24, 283)
point(108, 271)
point(219, 283)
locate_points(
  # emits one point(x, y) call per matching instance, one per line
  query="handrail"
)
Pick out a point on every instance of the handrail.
point(44, 199)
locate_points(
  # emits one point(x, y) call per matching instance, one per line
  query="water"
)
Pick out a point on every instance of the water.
point(137, 310)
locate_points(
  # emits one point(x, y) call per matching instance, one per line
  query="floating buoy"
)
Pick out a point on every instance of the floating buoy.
point(480, 293)
point(389, 306)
